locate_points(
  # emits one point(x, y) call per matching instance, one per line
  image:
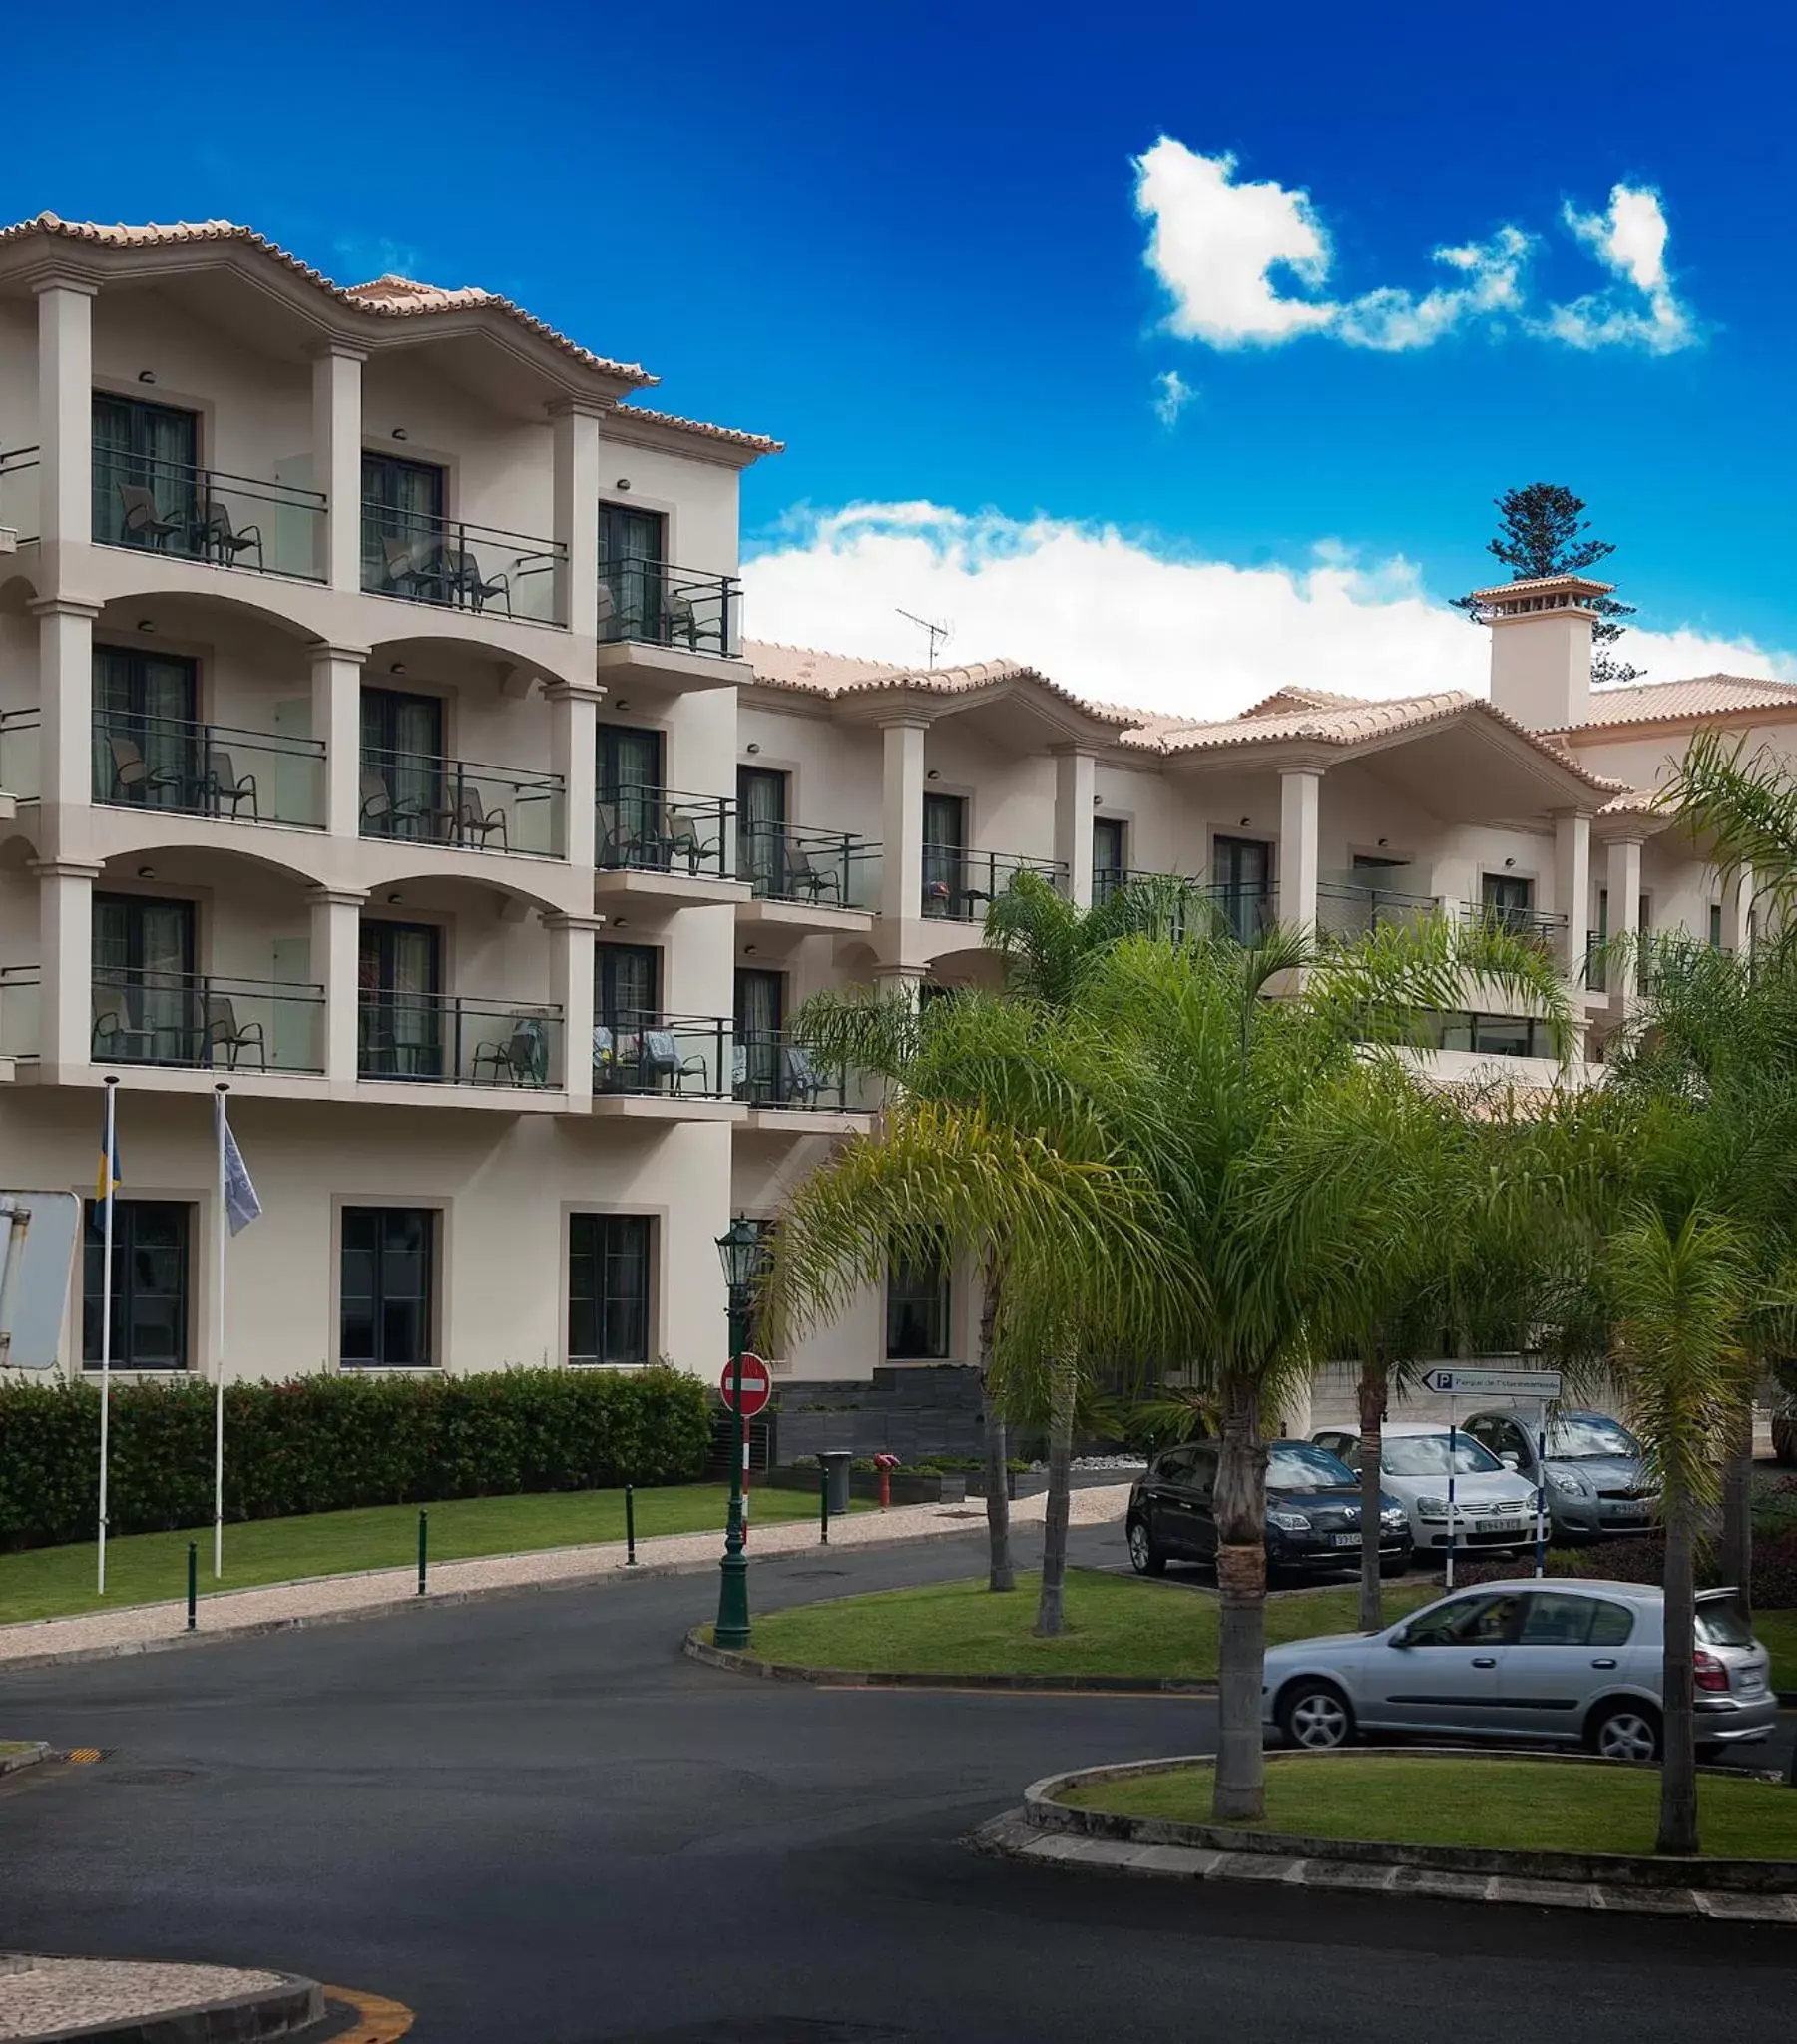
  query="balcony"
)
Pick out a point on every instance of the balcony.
point(1349, 906)
point(667, 1067)
point(659, 846)
point(958, 885)
point(457, 1040)
point(207, 769)
point(1243, 911)
point(457, 566)
point(806, 879)
point(777, 1078)
point(649, 603)
point(18, 498)
point(204, 514)
point(1545, 931)
point(18, 758)
point(204, 1021)
point(420, 799)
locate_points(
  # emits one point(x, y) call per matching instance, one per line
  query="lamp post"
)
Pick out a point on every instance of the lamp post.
point(745, 1254)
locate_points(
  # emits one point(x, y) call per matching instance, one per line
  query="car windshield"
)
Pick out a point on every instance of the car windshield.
point(1296, 1465)
point(1426, 1454)
point(1587, 1438)
point(1720, 1624)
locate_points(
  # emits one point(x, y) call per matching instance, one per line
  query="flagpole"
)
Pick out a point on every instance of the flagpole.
point(109, 1173)
point(223, 1229)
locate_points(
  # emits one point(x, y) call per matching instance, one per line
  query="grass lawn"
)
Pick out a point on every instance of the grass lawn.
point(143, 1568)
point(1116, 1625)
point(1777, 1633)
point(1527, 1803)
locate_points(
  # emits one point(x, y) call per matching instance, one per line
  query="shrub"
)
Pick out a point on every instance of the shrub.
point(325, 1444)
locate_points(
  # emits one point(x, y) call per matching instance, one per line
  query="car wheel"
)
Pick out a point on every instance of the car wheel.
point(1145, 1557)
point(1625, 1731)
point(1314, 1715)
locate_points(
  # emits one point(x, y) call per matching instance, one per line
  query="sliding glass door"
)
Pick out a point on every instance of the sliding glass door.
point(401, 1010)
point(402, 526)
point(402, 764)
point(147, 748)
point(146, 474)
point(146, 1007)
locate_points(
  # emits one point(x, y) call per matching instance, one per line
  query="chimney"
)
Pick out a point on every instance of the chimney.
point(1542, 648)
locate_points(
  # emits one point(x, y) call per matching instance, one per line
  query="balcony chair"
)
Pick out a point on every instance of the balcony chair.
point(218, 540)
point(221, 783)
point(135, 781)
point(388, 816)
point(118, 1031)
point(413, 571)
point(801, 1081)
point(462, 579)
point(679, 619)
point(678, 836)
point(225, 1034)
point(806, 878)
point(660, 1058)
point(140, 519)
point(518, 1061)
point(470, 822)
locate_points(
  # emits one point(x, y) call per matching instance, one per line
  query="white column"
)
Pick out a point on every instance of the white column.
point(65, 966)
point(1298, 847)
point(1737, 911)
point(577, 514)
point(899, 983)
point(1573, 889)
point(1623, 884)
point(337, 462)
point(570, 986)
point(901, 830)
point(65, 412)
point(337, 719)
point(336, 948)
point(65, 713)
point(573, 753)
point(1076, 777)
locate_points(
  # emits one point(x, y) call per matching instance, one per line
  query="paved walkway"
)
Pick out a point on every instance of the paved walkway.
point(49, 1997)
point(322, 1600)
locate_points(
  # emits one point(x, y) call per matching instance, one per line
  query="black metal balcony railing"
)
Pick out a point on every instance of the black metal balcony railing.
point(1245, 911)
point(206, 514)
point(425, 800)
point(819, 869)
point(659, 604)
point(460, 566)
point(19, 473)
point(770, 1070)
point(659, 830)
point(635, 1051)
point(1110, 880)
point(1533, 925)
point(1346, 912)
point(207, 769)
point(206, 1020)
point(457, 1040)
point(958, 885)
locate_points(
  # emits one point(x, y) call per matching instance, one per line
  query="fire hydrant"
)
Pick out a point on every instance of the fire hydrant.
point(885, 1464)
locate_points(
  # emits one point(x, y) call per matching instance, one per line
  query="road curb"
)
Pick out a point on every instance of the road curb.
point(293, 2005)
point(700, 1649)
point(11, 1763)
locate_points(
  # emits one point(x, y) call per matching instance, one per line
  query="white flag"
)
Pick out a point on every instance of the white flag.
point(241, 1206)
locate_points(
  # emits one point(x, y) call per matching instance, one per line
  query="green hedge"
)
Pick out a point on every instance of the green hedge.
point(325, 1444)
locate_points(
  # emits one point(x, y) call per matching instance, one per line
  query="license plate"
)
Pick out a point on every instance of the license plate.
point(1498, 1525)
point(1751, 1682)
point(1344, 1540)
point(1627, 1512)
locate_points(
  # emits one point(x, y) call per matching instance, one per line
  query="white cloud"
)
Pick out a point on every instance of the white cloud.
point(1122, 619)
point(1171, 395)
point(1642, 309)
point(1247, 265)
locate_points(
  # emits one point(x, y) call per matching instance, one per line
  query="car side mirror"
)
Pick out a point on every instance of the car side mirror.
point(1510, 1462)
point(1400, 1638)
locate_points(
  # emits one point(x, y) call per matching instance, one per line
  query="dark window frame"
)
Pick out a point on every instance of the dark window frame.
point(933, 1306)
point(614, 1240)
point(381, 1297)
point(128, 1254)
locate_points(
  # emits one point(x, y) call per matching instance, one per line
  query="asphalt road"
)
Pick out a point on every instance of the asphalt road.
point(532, 1819)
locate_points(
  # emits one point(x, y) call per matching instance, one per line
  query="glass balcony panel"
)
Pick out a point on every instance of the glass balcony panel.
point(208, 1021)
point(690, 1055)
point(1542, 929)
point(204, 514)
point(658, 605)
point(1243, 912)
point(207, 769)
point(959, 885)
point(772, 1070)
point(458, 566)
point(18, 1011)
point(19, 753)
point(817, 868)
point(647, 830)
point(19, 471)
point(459, 1040)
point(429, 800)
point(1352, 905)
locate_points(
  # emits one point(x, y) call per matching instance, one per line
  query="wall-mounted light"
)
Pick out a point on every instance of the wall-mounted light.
point(1097, 802)
point(621, 923)
point(146, 872)
point(146, 624)
point(1383, 842)
point(399, 433)
point(935, 773)
point(393, 900)
point(398, 667)
point(753, 750)
point(622, 483)
point(1509, 861)
point(623, 703)
point(749, 950)
point(145, 376)
point(1245, 821)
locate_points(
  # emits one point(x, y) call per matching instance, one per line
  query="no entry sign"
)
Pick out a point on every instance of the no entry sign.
point(757, 1386)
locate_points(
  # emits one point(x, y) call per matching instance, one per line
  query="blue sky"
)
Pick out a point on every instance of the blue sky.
point(907, 240)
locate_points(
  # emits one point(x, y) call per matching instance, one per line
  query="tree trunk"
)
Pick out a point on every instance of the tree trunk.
point(1372, 1422)
point(1736, 1557)
point(1052, 1605)
point(1679, 1757)
point(1000, 1575)
point(1241, 1507)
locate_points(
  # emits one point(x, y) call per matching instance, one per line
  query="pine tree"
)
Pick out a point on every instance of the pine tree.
point(1541, 531)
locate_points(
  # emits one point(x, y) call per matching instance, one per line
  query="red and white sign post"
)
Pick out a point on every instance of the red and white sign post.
point(747, 1390)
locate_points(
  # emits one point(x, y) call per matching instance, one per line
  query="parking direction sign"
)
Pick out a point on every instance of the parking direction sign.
point(757, 1386)
point(1494, 1383)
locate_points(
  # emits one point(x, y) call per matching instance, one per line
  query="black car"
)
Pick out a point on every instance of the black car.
point(1312, 1511)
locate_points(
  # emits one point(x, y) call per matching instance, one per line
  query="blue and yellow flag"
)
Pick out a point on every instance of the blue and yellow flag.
point(109, 1177)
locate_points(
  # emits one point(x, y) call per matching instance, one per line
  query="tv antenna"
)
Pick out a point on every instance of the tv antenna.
point(938, 634)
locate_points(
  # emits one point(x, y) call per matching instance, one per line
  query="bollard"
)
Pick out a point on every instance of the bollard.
point(630, 1526)
point(192, 1583)
point(823, 1499)
point(423, 1548)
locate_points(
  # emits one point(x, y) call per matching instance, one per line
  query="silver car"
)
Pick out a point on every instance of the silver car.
point(1572, 1661)
point(1596, 1480)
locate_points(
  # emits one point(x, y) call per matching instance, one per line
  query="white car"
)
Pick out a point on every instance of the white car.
point(1493, 1507)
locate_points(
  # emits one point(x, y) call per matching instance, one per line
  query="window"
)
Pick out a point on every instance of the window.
point(1715, 925)
point(760, 1000)
point(1508, 900)
point(403, 527)
point(1557, 1617)
point(387, 1278)
point(400, 1007)
point(607, 1288)
point(1109, 857)
point(402, 765)
point(917, 1311)
point(1242, 876)
point(629, 786)
point(146, 474)
point(149, 1284)
point(1426, 1454)
point(146, 745)
point(144, 994)
point(945, 839)
point(631, 564)
point(1468, 1622)
point(762, 829)
point(1590, 1437)
point(626, 985)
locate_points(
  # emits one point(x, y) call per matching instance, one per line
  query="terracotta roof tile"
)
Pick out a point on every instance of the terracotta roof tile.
point(804, 666)
point(838, 675)
point(1702, 695)
point(759, 441)
point(1526, 585)
point(1296, 698)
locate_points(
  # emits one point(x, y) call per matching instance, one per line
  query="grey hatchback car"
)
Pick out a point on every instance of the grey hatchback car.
point(1598, 1482)
point(1569, 1661)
